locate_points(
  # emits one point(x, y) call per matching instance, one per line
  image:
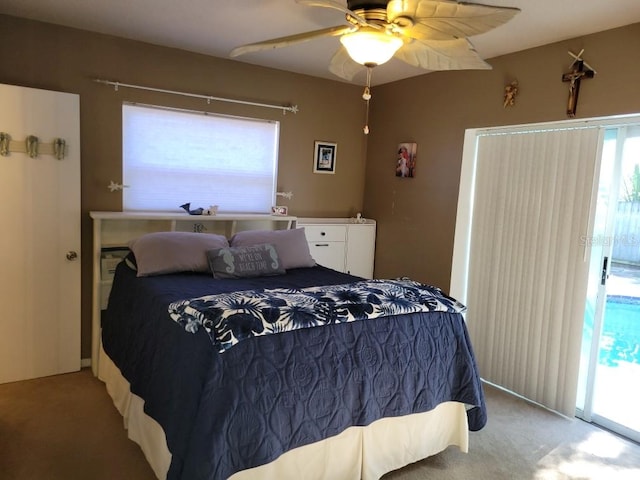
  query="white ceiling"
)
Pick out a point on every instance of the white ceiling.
point(215, 27)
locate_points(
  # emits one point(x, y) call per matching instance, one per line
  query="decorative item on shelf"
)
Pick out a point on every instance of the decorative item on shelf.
point(279, 210)
point(211, 211)
point(359, 218)
point(510, 93)
point(115, 187)
point(31, 145)
point(324, 157)
point(5, 140)
point(195, 211)
point(406, 160)
point(579, 70)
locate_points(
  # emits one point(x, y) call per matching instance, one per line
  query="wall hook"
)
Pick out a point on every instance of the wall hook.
point(59, 146)
point(31, 143)
point(5, 140)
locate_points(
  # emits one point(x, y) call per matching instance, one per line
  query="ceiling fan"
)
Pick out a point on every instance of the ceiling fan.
point(430, 34)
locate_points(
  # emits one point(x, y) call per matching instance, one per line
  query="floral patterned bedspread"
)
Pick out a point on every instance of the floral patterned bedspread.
point(231, 318)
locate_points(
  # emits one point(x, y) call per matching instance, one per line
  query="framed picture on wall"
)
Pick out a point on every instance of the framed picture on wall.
point(324, 157)
point(406, 160)
point(279, 210)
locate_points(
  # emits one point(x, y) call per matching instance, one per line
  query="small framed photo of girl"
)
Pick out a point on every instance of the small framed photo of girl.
point(406, 160)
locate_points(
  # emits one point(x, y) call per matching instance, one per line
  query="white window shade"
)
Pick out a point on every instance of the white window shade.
point(171, 157)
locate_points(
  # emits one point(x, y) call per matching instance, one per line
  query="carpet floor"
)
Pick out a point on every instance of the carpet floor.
point(66, 427)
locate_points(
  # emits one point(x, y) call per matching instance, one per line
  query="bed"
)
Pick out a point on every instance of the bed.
point(351, 392)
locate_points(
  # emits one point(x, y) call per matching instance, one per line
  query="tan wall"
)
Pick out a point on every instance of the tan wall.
point(416, 216)
point(49, 57)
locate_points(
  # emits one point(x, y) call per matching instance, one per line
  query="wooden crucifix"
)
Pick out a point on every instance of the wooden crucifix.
point(579, 70)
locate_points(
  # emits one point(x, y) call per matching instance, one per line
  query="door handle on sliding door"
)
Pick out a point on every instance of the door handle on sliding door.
point(604, 276)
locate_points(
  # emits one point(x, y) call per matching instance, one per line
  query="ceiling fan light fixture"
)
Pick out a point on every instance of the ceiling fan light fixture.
point(371, 48)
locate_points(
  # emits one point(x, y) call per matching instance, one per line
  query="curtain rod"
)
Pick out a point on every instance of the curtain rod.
point(208, 98)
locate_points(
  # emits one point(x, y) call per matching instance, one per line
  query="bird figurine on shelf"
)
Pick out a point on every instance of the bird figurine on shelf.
point(187, 208)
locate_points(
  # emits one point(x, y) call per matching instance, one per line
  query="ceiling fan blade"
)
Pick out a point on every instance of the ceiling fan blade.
point(343, 66)
point(434, 55)
point(445, 20)
point(336, 6)
point(290, 40)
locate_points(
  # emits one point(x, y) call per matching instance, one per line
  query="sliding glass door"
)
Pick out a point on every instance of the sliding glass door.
point(610, 363)
point(544, 253)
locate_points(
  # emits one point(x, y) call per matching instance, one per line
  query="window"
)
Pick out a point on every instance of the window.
point(171, 157)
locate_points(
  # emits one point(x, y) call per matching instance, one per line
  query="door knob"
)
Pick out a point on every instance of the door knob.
point(71, 255)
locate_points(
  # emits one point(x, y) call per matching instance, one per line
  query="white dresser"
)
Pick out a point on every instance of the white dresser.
point(342, 244)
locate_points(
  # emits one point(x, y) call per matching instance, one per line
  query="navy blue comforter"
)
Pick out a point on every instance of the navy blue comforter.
point(225, 413)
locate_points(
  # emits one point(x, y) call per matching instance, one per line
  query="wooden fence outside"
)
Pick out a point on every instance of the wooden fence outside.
point(626, 246)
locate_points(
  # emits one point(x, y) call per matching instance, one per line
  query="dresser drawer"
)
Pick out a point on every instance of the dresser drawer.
point(328, 254)
point(325, 233)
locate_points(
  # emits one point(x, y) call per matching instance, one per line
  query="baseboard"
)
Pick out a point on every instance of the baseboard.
point(521, 397)
point(85, 362)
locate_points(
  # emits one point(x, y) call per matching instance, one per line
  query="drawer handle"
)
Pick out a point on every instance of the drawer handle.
point(322, 234)
point(322, 244)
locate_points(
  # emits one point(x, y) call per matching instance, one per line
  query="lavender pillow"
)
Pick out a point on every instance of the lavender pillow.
point(169, 252)
point(291, 245)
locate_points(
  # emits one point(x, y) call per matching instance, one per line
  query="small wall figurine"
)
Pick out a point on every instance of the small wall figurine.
point(510, 92)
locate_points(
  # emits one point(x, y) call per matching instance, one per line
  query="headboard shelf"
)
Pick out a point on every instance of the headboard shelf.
point(116, 229)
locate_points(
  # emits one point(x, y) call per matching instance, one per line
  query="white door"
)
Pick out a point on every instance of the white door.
point(40, 218)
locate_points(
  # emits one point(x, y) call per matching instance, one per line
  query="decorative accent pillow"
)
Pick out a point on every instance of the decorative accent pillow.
point(169, 252)
point(291, 245)
point(241, 262)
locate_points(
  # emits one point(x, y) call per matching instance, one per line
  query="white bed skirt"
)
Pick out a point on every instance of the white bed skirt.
point(358, 453)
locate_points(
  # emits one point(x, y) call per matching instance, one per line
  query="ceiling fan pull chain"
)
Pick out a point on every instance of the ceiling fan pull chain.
point(366, 95)
point(366, 123)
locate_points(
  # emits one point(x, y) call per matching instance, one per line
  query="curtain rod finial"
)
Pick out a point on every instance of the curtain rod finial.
point(114, 187)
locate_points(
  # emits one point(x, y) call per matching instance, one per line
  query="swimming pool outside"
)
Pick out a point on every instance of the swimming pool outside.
point(621, 331)
point(620, 338)
point(618, 372)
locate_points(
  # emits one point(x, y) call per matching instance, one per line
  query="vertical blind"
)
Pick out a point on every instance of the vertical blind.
point(171, 157)
point(527, 270)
